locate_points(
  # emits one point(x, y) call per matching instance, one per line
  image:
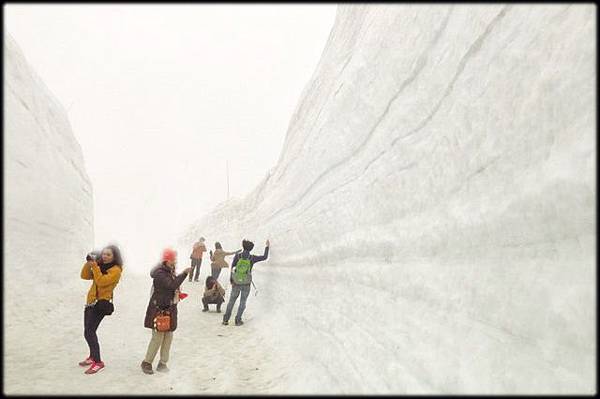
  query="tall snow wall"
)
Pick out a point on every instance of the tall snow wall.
point(48, 210)
point(456, 145)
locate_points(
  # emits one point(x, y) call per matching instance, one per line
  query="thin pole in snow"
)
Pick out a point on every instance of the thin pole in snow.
point(227, 214)
point(227, 169)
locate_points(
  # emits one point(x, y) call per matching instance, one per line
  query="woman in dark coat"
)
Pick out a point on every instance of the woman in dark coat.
point(165, 295)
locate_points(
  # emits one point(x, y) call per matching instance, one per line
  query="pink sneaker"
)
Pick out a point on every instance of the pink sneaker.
point(95, 367)
point(86, 362)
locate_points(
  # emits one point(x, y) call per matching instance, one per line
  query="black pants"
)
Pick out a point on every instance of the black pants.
point(91, 321)
point(195, 265)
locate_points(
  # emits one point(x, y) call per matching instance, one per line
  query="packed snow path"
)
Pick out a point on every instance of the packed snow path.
point(351, 328)
point(206, 357)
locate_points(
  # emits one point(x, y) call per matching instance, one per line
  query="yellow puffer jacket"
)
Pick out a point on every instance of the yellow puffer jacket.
point(103, 284)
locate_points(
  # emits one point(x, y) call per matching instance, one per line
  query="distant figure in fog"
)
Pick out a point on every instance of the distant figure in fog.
point(104, 269)
point(218, 261)
point(196, 257)
point(213, 293)
point(241, 278)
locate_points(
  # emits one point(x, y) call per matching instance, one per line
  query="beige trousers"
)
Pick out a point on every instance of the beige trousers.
point(160, 340)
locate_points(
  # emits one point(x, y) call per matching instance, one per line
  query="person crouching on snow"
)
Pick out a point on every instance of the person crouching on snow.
point(213, 293)
point(164, 298)
point(104, 269)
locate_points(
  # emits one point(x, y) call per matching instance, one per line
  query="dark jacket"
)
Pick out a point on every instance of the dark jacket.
point(164, 285)
point(253, 259)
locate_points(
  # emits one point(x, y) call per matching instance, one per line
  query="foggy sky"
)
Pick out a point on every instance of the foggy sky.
point(161, 96)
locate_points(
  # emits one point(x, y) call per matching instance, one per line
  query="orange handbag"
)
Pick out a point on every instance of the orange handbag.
point(162, 321)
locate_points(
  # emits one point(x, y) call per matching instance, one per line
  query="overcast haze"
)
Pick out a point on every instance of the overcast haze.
point(161, 96)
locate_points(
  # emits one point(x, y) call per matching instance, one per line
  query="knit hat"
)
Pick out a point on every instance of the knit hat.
point(169, 255)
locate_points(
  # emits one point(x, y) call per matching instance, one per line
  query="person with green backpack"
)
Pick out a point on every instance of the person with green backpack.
point(241, 278)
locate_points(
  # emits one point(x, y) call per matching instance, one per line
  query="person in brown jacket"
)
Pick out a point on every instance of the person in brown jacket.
point(104, 269)
point(196, 257)
point(218, 261)
point(213, 293)
point(164, 297)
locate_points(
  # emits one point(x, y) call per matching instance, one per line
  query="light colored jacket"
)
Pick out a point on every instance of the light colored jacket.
point(218, 258)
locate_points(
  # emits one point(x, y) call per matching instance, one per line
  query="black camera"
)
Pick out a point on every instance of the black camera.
point(92, 256)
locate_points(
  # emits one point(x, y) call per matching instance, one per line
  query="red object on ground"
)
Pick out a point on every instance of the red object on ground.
point(182, 295)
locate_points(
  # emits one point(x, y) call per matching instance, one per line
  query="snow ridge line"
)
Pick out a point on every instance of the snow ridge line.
point(316, 118)
point(473, 49)
point(383, 152)
point(422, 61)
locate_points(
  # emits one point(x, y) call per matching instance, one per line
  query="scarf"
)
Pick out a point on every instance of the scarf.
point(105, 266)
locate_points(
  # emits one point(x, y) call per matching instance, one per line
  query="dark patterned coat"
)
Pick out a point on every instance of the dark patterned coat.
point(165, 284)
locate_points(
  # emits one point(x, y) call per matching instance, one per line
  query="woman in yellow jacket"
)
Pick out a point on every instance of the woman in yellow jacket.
point(105, 273)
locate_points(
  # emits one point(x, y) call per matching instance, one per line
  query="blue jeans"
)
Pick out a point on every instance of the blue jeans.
point(235, 292)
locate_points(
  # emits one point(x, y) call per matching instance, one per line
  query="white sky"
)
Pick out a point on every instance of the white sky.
point(160, 96)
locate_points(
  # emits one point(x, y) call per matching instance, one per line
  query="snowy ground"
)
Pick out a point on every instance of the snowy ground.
point(301, 337)
point(206, 357)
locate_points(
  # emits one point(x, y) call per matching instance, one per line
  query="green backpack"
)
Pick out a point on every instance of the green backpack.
point(242, 271)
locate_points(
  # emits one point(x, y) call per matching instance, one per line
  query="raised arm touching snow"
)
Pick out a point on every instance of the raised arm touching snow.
point(259, 258)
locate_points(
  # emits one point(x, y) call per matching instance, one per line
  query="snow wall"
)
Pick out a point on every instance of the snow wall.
point(437, 182)
point(48, 210)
